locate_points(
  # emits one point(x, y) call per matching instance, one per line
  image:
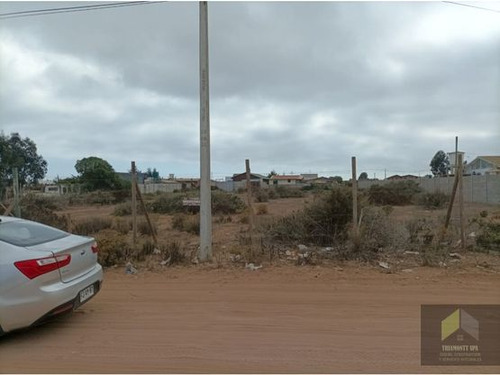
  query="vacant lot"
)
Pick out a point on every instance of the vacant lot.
point(283, 318)
point(275, 320)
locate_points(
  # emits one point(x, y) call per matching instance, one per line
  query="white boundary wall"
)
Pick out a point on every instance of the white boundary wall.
point(477, 188)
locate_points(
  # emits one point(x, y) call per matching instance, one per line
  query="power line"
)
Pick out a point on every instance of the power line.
point(82, 8)
point(472, 6)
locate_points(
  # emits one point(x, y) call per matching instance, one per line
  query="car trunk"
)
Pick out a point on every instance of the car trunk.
point(83, 260)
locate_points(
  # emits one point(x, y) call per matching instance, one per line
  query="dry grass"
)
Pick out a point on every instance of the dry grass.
point(227, 233)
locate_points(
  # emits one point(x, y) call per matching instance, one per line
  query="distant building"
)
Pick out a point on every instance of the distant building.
point(256, 180)
point(483, 165)
point(285, 180)
point(397, 177)
point(188, 183)
point(243, 177)
point(309, 176)
point(453, 157)
point(127, 176)
point(323, 181)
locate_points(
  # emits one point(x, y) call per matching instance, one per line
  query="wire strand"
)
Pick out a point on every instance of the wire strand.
point(82, 8)
point(472, 6)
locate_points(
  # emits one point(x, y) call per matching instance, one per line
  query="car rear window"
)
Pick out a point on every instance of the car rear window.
point(27, 233)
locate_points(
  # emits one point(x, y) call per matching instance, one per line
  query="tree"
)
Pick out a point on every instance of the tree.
point(338, 179)
point(363, 176)
point(153, 174)
point(440, 164)
point(272, 173)
point(97, 174)
point(21, 153)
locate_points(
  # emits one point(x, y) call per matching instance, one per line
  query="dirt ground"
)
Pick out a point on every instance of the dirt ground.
point(283, 318)
point(202, 319)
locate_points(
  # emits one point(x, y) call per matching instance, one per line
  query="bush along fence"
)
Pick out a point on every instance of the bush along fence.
point(477, 188)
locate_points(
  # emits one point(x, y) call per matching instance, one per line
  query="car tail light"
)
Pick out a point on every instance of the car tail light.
point(95, 248)
point(35, 267)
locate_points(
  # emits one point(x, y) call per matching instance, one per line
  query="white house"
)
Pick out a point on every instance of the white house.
point(285, 180)
point(483, 165)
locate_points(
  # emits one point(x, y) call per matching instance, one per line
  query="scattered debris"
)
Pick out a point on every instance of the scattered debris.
point(235, 257)
point(328, 249)
point(472, 235)
point(291, 255)
point(156, 251)
point(166, 261)
point(455, 255)
point(407, 270)
point(252, 266)
point(411, 253)
point(302, 248)
point(384, 265)
point(442, 264)
point(195, 260)
point(130, 269)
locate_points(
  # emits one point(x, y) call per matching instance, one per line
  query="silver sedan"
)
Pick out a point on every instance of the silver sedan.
point(44, 272)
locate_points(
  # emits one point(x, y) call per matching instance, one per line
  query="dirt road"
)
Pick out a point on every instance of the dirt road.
point(275, 320)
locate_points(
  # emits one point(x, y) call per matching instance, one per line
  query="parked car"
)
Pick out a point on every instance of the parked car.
point(44, 272)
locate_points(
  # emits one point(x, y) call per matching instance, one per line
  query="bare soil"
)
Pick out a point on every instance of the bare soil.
point(283, 318)
point(347, 318)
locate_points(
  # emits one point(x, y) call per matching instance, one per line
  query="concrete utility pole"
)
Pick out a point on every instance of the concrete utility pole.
point(460, 172)
point(354, 198)
point(205, 252)
point(249, 196)
point(134, 204)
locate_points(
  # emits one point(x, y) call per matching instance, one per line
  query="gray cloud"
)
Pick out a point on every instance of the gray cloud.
point(294, 86)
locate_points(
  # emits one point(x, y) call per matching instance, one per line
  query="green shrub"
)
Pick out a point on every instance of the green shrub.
point(123, 209)
point(113, 247)
point(147, 249)
point(186, 223)
point(121, 195)
point(397, 193)
point(489, 236)
point(261, 195)
point(223, 219)
point(262, 209)
point(272, 194)
point(122, 225)
point(99, 197)
point(377, 233)
point(435, 200)
point(92, 225)
point(144, 228)
point(225, 203)
point(41, 209)
point(421, 231)
point(321, 223)
point(288, 192)
point(167, 204)
point(174, 254)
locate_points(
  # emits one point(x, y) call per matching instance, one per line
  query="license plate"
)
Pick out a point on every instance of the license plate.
point(86, 293)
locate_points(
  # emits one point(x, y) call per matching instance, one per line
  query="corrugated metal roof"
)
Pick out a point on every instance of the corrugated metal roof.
point(285, 177)
point(491, 159)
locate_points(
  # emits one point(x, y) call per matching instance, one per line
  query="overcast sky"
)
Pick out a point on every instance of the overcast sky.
point(294, 87)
